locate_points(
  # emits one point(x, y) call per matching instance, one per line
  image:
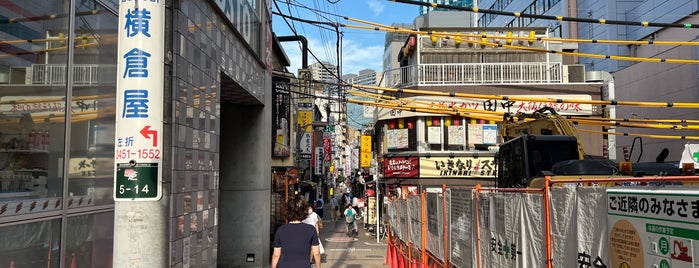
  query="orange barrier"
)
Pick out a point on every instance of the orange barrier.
point(73, 262)
point(403, 255)
point(389, 255)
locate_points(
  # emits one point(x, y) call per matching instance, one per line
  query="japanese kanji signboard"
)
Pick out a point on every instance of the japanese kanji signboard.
point(457, 167)
point(139, 101)
point(653, 228)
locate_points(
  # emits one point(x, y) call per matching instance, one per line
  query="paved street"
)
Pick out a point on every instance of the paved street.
point(345, 252)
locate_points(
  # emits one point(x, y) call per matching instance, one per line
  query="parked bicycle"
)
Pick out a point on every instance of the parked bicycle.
point(382, 230)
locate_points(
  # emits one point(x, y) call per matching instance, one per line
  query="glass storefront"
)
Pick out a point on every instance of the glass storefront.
point(56, 89)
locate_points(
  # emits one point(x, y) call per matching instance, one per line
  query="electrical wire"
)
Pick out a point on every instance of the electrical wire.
point(540, 50)
point(551, 17)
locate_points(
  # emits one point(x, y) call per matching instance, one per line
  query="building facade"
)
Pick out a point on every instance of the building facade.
point(633, 80)
point(420, 149)
point(58, 143)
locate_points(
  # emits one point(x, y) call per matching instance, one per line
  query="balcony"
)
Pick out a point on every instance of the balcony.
point(56, 74)
point(474, 73)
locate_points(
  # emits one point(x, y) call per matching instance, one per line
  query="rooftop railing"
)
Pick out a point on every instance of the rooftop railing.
point(474, 73)
point(55, 74)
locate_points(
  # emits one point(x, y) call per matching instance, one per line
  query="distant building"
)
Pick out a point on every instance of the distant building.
point(324, 71)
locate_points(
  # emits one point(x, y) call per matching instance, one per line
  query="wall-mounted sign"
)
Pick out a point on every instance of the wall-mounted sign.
point(365, 151)
point(280, 117)
point(493, 105)
point(139, 101)
point(457, 167)
point(318, 161)
point(653, 228)
point(401, 167)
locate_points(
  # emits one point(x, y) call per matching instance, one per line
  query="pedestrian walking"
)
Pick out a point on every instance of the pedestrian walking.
point(314, 220)
point(319, 207)
point(335, 208)
point(294, 242)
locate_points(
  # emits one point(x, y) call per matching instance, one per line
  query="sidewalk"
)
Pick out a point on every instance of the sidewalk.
point(342, 251)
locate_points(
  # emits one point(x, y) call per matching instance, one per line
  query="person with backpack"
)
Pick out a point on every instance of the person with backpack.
point(349, 219)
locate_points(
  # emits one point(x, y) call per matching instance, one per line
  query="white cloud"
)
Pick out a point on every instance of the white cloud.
point(357, 56)
point(376, 7)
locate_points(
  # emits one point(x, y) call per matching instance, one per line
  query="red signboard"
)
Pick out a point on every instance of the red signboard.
point(327, 146)
point(401, 167)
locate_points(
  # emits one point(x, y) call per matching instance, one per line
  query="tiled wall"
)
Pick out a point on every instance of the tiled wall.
point(204, 47)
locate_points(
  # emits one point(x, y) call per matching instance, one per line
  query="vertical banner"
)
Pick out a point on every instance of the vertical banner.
point(327, 147)
point(139, 101)
point(305, 121)
point(318, 161)
point(653, 228)
point(280, 116)
point(365, 151)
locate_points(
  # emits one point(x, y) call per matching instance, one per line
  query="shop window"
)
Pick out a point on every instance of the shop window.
point(35, 244)
point(89, 240)
point(33, 86)
point(401, 135)
point(91, 162)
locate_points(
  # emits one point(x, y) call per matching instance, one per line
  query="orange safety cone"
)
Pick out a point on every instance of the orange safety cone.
point(388, 261)
point(73, 262)
point(401, 260)
point(413, 264)
point(12, 264)
point(394, 256)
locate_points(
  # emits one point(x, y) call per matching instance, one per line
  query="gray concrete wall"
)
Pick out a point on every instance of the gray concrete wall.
point(659, 82)
point(245, 184)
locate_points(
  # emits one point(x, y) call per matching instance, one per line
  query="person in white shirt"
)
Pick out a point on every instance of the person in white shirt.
point(312, 220)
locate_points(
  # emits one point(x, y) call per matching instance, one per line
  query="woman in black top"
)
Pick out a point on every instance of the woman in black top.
point(294, 241)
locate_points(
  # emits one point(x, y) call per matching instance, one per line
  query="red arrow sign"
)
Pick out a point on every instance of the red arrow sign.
point(146, 132)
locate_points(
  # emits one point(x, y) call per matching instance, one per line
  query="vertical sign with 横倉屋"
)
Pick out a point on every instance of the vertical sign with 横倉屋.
point(139, 101)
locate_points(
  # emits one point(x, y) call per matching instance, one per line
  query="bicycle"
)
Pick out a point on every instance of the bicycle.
point(382, 230)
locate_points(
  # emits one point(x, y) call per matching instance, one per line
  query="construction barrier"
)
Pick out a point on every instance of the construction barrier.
point(633, 224)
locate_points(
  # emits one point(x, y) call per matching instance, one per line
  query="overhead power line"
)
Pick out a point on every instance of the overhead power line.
point(533, 38)
point(457, 36)
point(692, 105)
point(551, 17)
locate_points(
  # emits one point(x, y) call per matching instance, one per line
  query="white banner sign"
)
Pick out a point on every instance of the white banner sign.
point(492, 105)
point(139, 101)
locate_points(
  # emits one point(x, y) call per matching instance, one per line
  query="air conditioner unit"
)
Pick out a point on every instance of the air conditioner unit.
point(574, 73)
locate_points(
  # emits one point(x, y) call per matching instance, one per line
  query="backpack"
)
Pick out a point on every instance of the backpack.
point(349, 218)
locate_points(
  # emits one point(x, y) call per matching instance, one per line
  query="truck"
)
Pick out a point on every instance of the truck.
point(545, 143)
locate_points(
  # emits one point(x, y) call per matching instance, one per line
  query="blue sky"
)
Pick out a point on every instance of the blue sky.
point(361, 49)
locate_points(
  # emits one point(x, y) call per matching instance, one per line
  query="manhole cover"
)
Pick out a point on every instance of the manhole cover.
point(340, 239)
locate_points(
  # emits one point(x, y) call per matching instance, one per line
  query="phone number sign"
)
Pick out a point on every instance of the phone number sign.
point(137, 180)
point(139, 101)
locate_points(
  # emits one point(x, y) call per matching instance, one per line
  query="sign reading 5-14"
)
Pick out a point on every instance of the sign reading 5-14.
point(139, 111)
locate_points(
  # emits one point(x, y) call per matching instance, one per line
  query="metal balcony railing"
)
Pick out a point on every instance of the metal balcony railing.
point(474, 73)
point(55, 74)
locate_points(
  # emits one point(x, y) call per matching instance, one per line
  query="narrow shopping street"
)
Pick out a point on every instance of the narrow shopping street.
point(342, 251)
